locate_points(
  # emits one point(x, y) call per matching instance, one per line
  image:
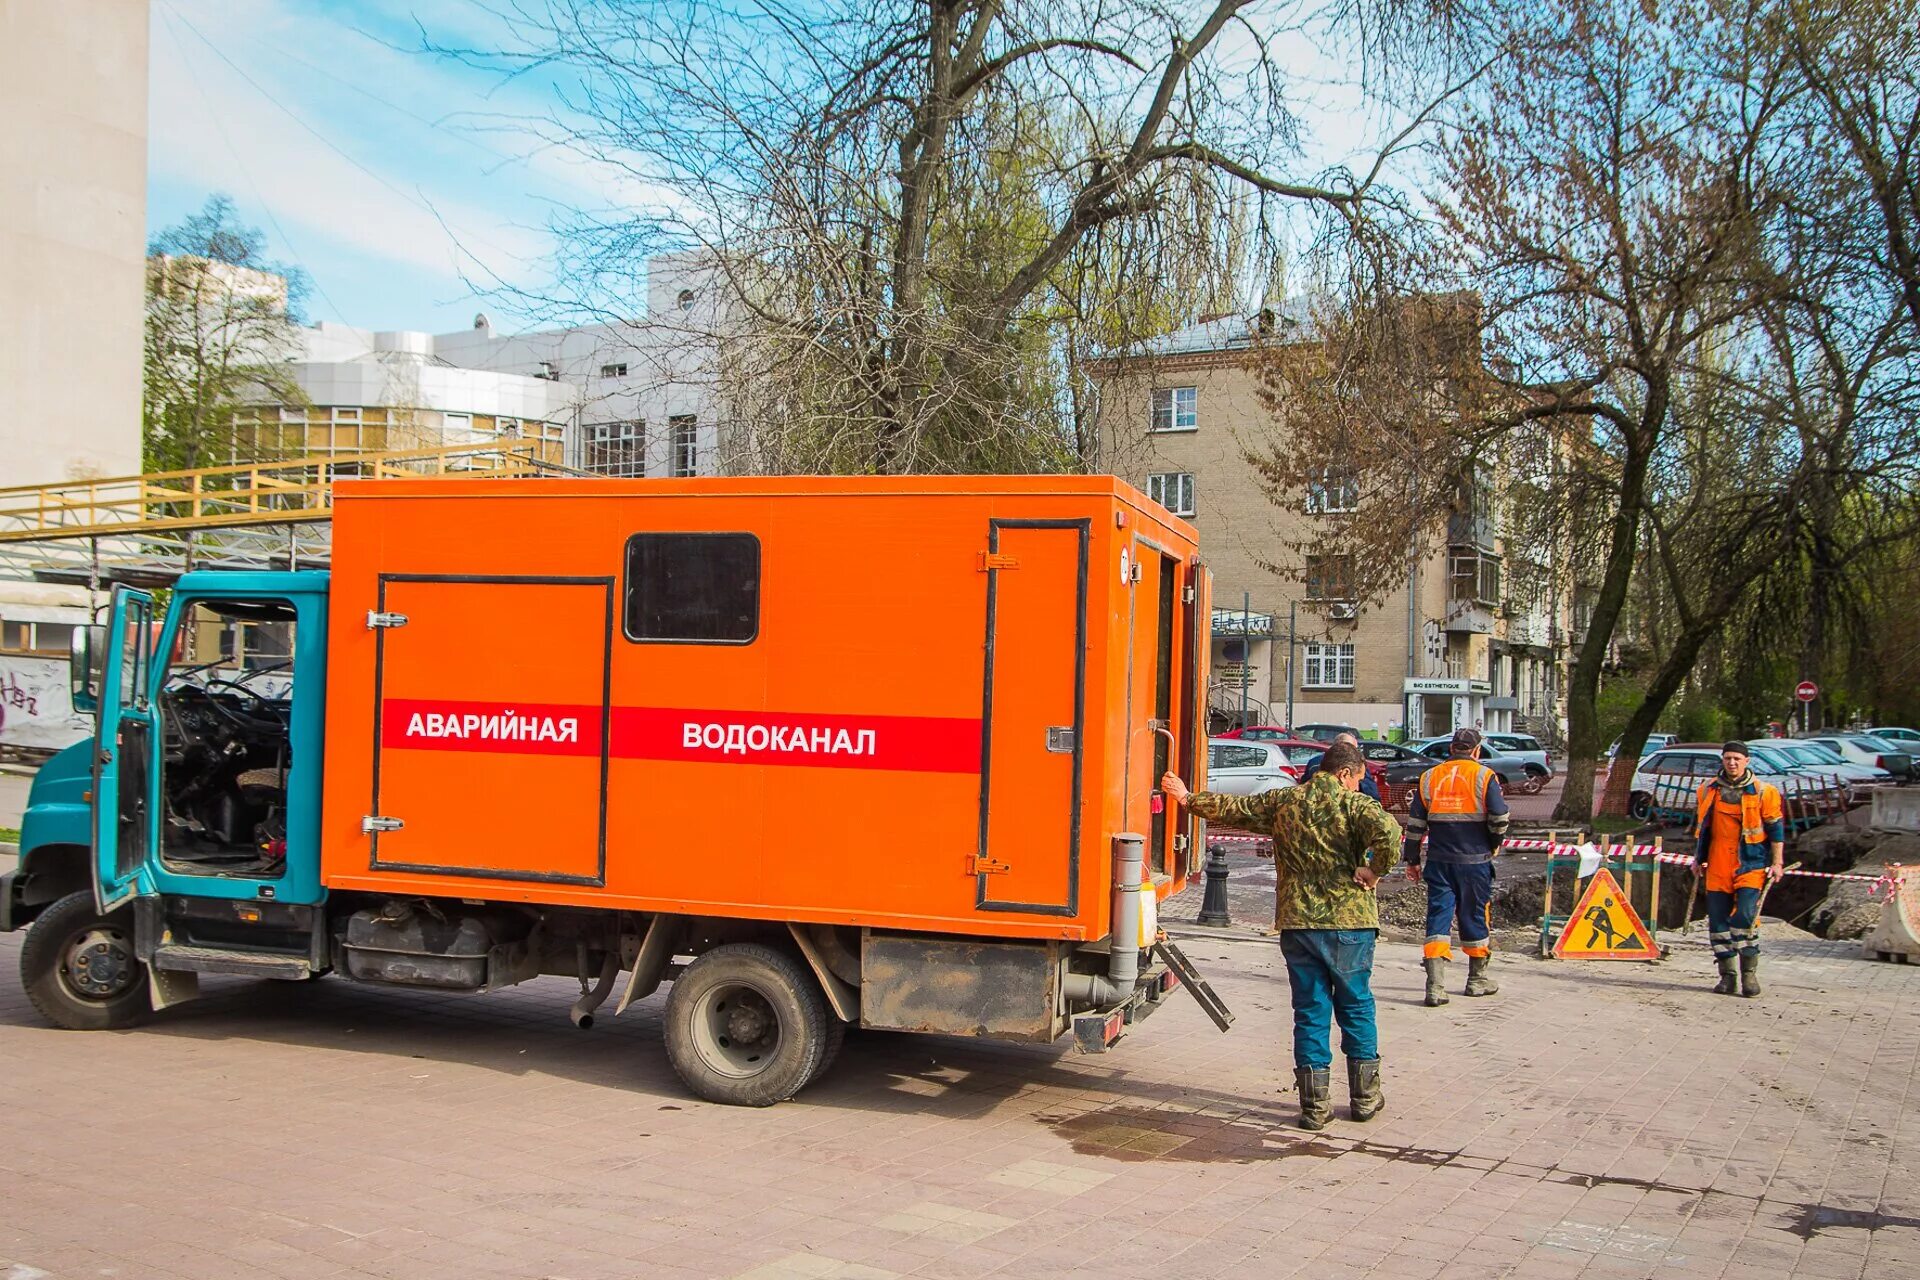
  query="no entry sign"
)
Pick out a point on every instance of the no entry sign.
point(1806, 691)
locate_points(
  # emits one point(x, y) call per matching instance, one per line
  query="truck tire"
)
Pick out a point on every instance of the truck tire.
point(79, 968)
point(746, 1025)
point(836, 1036)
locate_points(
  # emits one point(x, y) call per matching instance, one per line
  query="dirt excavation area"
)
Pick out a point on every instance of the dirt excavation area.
point(1809, 905)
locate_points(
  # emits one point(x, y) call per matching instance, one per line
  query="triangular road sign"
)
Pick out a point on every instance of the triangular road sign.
point(1604, 926)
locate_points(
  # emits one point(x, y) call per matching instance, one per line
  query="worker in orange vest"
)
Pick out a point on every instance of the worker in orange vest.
point(1459, 810)
point(1740, 821)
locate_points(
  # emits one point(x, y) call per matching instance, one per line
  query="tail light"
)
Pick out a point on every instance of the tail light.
point(1879, 762)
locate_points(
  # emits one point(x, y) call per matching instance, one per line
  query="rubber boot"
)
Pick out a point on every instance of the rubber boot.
point(1365, 1096)
point(1436, 982)
point(1316, 1097)
point(1729, 983)
point(1479, 982)
point(1750, 975)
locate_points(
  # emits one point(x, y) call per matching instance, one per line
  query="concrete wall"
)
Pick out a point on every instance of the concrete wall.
point(73, 203)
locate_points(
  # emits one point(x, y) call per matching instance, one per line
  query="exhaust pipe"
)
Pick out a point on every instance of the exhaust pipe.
point(581, 1013)
point(1123, 946)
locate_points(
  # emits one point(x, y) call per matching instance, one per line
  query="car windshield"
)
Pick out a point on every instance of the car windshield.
point(1815, 753)
point(1769, 760)
point(1872, 743)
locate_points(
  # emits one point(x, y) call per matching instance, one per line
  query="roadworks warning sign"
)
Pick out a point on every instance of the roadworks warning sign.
point(1604, 926)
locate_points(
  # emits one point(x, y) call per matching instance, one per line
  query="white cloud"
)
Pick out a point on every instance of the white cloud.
point(211, 128)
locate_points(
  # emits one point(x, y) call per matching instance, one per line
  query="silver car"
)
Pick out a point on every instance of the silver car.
point(1239, 767)
point(1527, 749)
point(1820, 755)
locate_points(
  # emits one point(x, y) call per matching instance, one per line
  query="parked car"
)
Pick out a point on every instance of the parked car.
point(1527, 747)
point(1243, 767)
point(1323, 732)
point(1289, 755)
point(1257, 733)
point(1905, 739)
point(1655, 741)
point(1401, 766)
point(1671, 777)
point(1869, 749)
point(1516, 777)
point(1818, 755)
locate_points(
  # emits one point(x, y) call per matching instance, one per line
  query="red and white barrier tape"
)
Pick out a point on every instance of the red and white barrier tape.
point(1887, 884)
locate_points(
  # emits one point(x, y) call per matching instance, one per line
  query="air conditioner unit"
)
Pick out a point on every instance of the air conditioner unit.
point(1343, 612)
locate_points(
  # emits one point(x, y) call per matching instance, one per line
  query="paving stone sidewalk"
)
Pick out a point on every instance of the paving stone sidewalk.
point(1592, 1121)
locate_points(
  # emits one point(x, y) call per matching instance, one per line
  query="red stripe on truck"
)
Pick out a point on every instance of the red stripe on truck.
point(918, 744)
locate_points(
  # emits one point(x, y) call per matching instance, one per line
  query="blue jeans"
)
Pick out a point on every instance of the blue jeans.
point(1730, 923)
point(1329, 971)
point(1459, 893)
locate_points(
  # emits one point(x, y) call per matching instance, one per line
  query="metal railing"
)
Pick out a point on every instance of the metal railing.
point(262, 493)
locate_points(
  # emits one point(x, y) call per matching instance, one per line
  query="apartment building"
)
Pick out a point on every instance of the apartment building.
point(1467, 639)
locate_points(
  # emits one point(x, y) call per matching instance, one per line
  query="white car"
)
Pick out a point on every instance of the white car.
point(1818, 755)
point(1669, 780)
point(1239, 767)
point(1895, 759)
point(1905, 739)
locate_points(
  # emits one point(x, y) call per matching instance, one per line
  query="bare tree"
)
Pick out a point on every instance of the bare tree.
point(1601, 198)
point(927, 215)
point(222, 321)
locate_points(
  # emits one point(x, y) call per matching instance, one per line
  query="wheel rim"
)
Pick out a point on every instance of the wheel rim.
point(736, 1030)
point(97, 964)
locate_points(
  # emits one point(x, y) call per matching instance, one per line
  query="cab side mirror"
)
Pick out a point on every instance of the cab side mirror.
point(86, 660)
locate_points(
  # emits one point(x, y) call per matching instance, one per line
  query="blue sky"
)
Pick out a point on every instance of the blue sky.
point(396, 180)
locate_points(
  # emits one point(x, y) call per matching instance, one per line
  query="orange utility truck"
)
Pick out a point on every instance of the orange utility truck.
point(816, 751)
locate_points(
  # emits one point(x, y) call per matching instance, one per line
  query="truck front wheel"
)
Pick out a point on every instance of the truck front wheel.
point(79, 968)
point(746, 1025)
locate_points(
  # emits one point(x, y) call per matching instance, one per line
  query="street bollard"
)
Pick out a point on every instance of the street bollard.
point(1213, 907)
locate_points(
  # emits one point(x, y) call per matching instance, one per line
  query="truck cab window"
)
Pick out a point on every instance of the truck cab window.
point(694, 588)
point(225, 710)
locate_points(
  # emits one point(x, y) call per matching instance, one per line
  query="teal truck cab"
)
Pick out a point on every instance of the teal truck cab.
point(228, 743)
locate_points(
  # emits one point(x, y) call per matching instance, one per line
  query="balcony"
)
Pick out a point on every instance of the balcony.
point(1472, 529)
point(1474, 617)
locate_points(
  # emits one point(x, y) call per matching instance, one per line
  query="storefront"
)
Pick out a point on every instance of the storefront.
point(1441, 704)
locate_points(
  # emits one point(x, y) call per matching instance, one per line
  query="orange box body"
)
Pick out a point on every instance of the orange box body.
point(945, 711)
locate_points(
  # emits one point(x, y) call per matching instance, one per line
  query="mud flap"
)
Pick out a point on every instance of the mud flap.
point(1190, 979)
point(169, 987)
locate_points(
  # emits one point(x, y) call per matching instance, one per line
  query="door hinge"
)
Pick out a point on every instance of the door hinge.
point(997, 560)
point(1180, 844)
point(373, 823)
point(979, 866)
point(376, 619)
point(1186, 595)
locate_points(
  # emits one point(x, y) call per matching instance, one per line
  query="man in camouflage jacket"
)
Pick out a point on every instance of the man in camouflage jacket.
point(1330, 846)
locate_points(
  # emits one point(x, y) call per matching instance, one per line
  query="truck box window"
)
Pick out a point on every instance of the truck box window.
point(699, 588)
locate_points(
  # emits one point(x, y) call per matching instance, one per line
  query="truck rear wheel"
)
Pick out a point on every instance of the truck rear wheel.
point(79, 968)
point(746, 1025)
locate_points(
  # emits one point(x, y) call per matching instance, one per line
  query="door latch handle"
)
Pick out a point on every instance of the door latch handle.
point(373, 824)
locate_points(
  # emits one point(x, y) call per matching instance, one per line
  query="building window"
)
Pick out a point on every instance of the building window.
point(1329, 666)
point(1172, 490)
point(1477, 578)
point(617, 448)
point(1335, 490)
point(1176, 409)
point(1329, 577)
point(36, 637)
point(613, 370)
point(697, 588)
point(684, 435)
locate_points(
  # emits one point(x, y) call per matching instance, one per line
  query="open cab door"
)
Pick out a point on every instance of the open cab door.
point(123, 761)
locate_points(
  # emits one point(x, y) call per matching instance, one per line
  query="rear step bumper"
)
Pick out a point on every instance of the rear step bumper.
point(1098, 1031)
point(240, 964)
